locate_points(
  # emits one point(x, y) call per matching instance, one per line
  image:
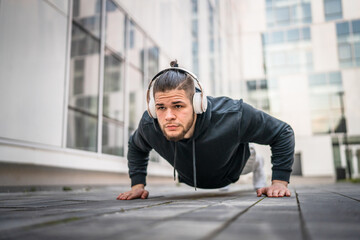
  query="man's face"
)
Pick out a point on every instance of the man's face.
point(175, 114)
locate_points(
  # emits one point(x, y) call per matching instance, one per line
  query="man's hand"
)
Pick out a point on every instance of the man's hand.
point(277, 189)
point(137, 191)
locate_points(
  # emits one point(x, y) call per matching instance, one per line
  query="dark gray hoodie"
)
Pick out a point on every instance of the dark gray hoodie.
point(219, 148)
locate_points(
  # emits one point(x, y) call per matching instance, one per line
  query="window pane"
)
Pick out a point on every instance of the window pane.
point(82, 130)
point(136, 98)
point(306, 12)
point(153, 60)
point(282, 15)
point(113, 104)
point(317, 79)
point(342, 28)
point(335, 78)
point(112, 138)
point(344, 51)
point(333, 9)
point(251, 85)
point(263, 84)
point(356, 27)
point(278, 37)
point(136, 46)
point(293, 35)
point(306, 34)
point(115, 28)
point(87, 14)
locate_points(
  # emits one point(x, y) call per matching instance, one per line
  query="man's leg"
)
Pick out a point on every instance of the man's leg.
point(259, 176)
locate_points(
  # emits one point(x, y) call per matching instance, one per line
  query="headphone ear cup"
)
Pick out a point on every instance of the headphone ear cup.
point(151, 108)
point(197, 103)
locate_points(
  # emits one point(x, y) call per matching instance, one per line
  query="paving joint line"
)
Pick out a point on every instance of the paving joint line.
point(345, 196)
point(228, 222)
point(304, 231)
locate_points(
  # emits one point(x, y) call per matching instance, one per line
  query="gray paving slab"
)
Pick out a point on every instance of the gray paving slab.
point(312, 212)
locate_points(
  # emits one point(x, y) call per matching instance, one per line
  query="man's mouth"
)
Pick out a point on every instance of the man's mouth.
point(171, 127)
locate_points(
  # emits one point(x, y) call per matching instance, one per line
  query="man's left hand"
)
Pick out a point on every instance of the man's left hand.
point(278, 188)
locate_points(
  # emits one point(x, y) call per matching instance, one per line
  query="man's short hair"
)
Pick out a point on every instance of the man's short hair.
point(175, 80)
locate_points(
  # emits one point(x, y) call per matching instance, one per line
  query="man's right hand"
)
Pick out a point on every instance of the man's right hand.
point(137, 191)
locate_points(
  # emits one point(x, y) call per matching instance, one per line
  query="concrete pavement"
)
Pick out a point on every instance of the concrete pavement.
point(330, 211)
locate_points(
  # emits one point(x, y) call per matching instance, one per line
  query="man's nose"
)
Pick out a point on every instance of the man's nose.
point(169, 115)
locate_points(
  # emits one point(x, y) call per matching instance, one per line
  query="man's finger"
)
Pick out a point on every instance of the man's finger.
point(288, 193)
point(269, 192)
point(260, 191)
point(275, 193)
point(281, 193)
point(145, 195)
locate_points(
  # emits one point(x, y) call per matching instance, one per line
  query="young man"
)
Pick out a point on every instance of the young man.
point(205, 139)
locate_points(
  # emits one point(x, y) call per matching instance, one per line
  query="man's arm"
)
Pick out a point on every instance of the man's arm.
point(259, 127)
point(138, 158)
point(137, 191)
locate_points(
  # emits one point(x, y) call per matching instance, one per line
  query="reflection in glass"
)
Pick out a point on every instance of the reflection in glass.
point(342, 28)
point(112, 137)
point(153, 60)
point(87, 14)
point(83, 90)
point(115, 28)
point(136, 98)
point(355, 26)
point(113, 90)
point(136, 46)
point(82, 130)
point(333, 9)
point(293, 35)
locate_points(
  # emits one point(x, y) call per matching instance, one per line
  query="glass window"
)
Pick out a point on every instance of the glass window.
point(136, 98)
point(342, 28)
point(112, 137)
point(278, 37)
point(344, 51)
point(306, 34)
point(263, 84)
point(266, 38)
point(136, 46)
point(153, 60)
point(113, 104)
point(251, 85)
point(333, 9)
point(293, 35)
point(357, 52)
point(317, 79)
point(306, 12)
point(115, 28)
point(87, 14)
point(355, 27)
point(335, 78)
point(282, 15)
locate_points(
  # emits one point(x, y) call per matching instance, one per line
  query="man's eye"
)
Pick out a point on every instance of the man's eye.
point(160, 108)
point(178, 106)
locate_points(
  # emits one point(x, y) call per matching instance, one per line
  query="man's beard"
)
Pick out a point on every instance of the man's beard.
point(182, 134)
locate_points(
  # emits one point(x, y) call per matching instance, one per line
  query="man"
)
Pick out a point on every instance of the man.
point(205, 139)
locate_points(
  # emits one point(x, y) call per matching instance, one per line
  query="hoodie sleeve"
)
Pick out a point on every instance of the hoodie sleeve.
point(138, 156)
point(259, 127)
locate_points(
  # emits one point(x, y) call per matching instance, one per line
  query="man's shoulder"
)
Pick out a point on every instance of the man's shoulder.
point(224, 104)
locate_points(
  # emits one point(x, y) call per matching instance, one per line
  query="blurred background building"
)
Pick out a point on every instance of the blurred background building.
point(73, 78)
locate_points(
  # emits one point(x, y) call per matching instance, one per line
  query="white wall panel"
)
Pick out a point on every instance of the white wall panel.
point(32, 71)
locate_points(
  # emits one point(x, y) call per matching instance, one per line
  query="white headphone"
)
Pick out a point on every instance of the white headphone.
point(199, 98)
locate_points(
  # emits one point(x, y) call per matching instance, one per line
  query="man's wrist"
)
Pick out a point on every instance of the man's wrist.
point(285, 183)
point(138, 186)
